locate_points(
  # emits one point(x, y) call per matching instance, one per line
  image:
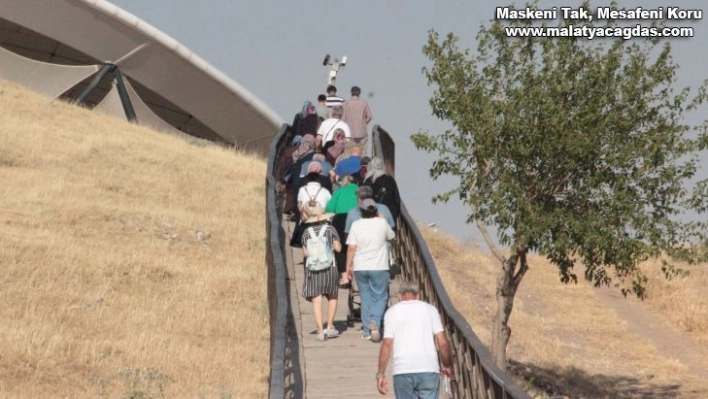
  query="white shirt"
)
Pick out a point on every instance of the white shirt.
point(310, 190)
point(412, 325)
point(371, 239)
point(328, 127)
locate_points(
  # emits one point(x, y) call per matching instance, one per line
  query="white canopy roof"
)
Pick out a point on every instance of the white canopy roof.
point(179, 87)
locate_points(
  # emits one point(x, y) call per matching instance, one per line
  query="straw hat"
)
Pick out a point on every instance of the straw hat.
point(314, 214)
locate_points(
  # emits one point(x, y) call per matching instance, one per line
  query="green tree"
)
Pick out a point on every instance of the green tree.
point(574, 149)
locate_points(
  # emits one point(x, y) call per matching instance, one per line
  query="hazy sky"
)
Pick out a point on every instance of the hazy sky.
point(275, 49)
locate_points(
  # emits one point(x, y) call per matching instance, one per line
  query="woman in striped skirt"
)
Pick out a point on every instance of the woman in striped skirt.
point(323, 283)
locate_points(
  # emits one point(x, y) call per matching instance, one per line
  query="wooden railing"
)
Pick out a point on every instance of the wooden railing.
point(285, 378)
point(476, 375)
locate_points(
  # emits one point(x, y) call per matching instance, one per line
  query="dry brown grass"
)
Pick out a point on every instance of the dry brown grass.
point(682, 300)
point(564, 340)
point(131, 262)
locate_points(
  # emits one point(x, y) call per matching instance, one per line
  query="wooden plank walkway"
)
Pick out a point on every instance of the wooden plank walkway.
point(342, 367)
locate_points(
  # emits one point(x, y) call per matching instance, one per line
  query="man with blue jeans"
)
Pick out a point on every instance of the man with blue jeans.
point(373, 291)
point(367, 262)
point(412, 329)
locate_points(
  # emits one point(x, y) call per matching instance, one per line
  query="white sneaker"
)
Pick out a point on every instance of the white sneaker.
point(321, 336)
point(375, 333)
point(331, 333)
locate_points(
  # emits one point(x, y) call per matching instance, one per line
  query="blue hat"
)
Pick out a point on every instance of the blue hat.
point(349, 165)
point(297, 139)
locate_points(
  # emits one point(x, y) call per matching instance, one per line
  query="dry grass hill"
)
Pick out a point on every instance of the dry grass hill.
point(579, 342)
point(131, 262)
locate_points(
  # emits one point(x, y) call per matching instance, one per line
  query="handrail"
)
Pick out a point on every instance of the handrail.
point(278, 300)
point(476, 374)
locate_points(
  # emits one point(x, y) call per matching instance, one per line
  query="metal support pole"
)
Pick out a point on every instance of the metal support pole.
point(96, 80)
point(124, 98)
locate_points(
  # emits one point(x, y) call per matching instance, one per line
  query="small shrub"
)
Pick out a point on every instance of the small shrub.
point(146, 383)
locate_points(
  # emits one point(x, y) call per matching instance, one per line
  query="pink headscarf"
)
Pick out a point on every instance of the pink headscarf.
point(340, 141)
point(307, 145)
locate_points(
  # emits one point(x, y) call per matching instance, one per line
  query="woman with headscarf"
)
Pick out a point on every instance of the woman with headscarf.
point(305, 147)
point(384, 186)
point(334, 148)
point(307, 120)
point(285, 172)
point(304, 153)
point(325, 167)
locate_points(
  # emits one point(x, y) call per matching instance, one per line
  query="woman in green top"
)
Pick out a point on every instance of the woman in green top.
point(343, 200)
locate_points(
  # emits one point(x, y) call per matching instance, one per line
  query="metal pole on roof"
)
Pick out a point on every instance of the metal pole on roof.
point(106, 68)
point(124, 97)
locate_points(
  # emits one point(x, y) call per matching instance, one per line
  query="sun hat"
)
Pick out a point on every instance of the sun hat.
point(316, 213)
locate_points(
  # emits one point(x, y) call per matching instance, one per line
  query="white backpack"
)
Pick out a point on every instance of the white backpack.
point(319, 252)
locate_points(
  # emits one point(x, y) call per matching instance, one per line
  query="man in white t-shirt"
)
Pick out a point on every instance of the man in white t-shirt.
point(327, 128)
point(367, 262)
point(412, 327)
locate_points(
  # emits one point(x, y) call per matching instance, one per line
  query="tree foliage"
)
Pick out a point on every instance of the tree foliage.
point(575, 149)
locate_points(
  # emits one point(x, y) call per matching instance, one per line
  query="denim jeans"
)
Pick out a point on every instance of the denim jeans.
point(417, 385)
point(373, 291)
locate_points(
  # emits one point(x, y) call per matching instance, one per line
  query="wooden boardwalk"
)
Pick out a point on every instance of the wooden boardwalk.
point(342, 367)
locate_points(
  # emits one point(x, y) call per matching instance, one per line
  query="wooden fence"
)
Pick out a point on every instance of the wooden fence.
point(285, 369)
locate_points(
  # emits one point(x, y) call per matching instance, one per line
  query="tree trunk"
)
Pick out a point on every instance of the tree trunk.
point(507, 284)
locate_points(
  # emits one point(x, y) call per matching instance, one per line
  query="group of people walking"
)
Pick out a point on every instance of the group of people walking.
point(345, 207)
point(337, 191)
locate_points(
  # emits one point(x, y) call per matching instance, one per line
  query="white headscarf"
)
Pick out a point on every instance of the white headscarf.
point(375, 169)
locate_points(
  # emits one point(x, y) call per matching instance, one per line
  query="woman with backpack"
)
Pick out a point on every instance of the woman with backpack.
point(319, 242)
point(312, 191)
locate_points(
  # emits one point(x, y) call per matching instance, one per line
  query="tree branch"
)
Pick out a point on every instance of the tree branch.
point(487, 238)
point(523, 267)
point(561, 183)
